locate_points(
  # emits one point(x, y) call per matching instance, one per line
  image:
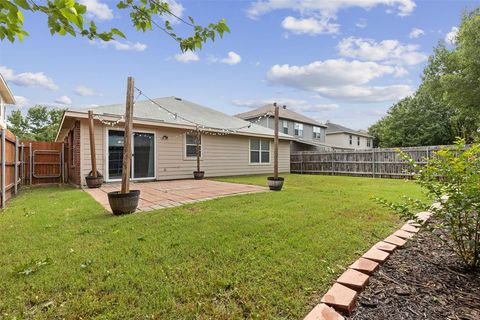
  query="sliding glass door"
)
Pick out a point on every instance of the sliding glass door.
point(143, 155)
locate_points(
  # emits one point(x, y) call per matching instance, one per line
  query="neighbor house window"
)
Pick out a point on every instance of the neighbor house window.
point(317, 133)
point(298, 129)
point(351, 139)
point(285, 126)
point(259, 151)
point(369, 143)
point(191, 145)
point(358, 141)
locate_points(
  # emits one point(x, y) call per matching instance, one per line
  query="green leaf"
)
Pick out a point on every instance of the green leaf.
point(23, 4)
point(117, 32)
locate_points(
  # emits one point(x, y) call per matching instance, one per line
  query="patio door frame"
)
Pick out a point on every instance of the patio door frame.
point(107, 174)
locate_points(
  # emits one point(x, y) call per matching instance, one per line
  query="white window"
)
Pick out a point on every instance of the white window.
point(351, 139)
point(191, 145)
point(358, 140)
point(369, 143)
point(285, 126)
point(259, 151)
point(298, 129)
point(317, 133)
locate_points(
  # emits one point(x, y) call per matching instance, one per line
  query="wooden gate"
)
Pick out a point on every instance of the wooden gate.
point(42, 162)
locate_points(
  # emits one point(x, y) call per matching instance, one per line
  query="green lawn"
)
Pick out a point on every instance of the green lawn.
point(262, 256)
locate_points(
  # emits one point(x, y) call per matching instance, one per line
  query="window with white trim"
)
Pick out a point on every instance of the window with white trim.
point(259, 151)
point(317, 133)
point(351, 139)
point(298, 129)
point(191, 145)
point(369, 142)
point(358, 140)
point(285, 126)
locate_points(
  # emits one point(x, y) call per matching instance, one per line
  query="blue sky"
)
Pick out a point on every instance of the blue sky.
point(345, 61)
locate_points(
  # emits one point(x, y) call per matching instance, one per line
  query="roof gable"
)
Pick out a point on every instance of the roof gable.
point(283, 113)
point(333, 128)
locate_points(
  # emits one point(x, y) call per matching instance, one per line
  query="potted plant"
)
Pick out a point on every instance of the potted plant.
point(198, 174)
point(94, 179)
point(275, 183)
point(126, 200)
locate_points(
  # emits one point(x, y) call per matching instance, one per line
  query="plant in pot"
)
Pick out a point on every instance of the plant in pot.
point(126, 200)
point(94, 179)
point(275, 183)
point(198, 174)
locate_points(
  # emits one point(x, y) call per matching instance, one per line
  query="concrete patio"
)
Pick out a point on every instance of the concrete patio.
point(165, 194)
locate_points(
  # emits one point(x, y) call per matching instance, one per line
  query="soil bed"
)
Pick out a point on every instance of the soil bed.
point(423, 280)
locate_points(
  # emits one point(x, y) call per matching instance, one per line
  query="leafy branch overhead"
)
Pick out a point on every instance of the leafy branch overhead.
point(70, 17)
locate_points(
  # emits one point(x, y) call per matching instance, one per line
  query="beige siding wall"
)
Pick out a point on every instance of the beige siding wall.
point(222, 155)
point(343, 140)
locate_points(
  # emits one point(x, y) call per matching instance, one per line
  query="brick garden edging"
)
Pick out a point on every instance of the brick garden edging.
point(341, 298)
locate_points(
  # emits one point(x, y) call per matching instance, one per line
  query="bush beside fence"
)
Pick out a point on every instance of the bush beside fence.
point(377, 163)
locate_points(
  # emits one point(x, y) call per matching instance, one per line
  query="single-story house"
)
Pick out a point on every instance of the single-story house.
point(163, 145)
point(6, 97)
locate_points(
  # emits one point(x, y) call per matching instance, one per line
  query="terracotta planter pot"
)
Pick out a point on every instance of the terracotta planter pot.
point(275, 184)
point(123, 203)
point(198, 175)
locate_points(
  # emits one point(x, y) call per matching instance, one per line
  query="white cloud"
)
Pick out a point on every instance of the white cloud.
point(28, 79)
point(98, 9)
point(232, 58)
point(64, 100)
point(362, 23)
point(451, 37)
point(21, 101)
point(332, 72)
point(120, 46)
point(175, 8)
point(342, 80)
point(388, 51)
point(326, 8)
point(416, 33)
point(311, 26)
point(366, 94)
point(84, 91)
point(187, 56)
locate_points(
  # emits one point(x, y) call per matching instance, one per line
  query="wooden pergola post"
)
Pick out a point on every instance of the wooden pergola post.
point(198, 148)
point(127, 145)
point(92, 143)
point(275, 143)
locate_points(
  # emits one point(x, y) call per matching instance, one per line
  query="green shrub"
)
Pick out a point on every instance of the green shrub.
point(452, 177)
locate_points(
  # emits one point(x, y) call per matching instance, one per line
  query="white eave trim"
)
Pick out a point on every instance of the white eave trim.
point(348, 132)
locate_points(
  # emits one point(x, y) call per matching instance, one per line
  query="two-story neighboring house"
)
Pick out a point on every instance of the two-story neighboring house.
point(6, 97)
point(309, 134)
point(343, 137)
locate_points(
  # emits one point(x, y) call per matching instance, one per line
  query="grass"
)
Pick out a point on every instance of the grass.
point(259, 256)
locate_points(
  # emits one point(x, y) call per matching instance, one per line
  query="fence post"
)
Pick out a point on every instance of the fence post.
point(332, 169)
point(16, 165)
point(63, 163)
point(3, 168)
point(22, 163)
point(373, 162)
point(301, 162)
point(30, 165)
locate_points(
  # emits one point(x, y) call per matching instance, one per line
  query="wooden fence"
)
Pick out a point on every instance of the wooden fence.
point(377, 163)
point(10, 165)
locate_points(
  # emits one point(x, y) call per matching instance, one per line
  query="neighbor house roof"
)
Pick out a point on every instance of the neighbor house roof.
point(333, 128)
point(5, 92)
point(188, 115)
point(284, 113)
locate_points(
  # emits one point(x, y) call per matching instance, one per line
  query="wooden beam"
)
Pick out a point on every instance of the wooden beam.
point(92, 143)
point(127, 145)
point(275, 144)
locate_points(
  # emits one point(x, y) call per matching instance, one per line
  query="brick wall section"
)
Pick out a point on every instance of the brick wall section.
point(74, 166)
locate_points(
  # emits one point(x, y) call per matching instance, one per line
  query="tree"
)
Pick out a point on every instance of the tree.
point(69, 17)
point(414, 121)
point(446, 105)
point(40, 124)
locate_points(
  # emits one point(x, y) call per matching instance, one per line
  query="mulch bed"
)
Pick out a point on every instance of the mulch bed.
point(422, 280)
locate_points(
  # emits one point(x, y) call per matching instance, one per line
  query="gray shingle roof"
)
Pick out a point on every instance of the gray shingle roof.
point(336, 128)
point(204, 116)
point(283, 113)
